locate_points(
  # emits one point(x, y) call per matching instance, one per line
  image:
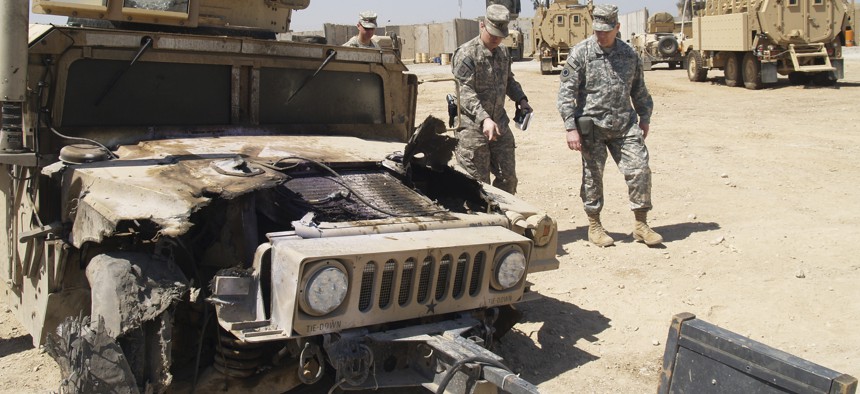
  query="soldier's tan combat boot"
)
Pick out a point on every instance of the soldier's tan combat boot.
point(641, 232)
point(596, 234)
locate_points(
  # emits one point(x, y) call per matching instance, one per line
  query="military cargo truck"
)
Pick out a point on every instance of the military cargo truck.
point(754, 40)
point(556, 28)
point(192, 206)
point(660, 43)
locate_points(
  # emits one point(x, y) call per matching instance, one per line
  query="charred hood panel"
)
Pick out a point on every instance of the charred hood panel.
point(166, 181)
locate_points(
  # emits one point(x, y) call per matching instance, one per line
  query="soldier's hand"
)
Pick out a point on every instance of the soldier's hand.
point(491, 129)
point(524, 104)
point(574, 140)
point(644, 127)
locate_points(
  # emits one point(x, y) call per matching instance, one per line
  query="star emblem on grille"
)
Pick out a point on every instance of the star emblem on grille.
point(431, 307)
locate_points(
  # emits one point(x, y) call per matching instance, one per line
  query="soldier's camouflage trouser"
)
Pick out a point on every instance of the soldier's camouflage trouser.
point(628, 150)
point(480, 157)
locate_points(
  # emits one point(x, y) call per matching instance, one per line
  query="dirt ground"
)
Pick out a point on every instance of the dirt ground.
point(752, 193)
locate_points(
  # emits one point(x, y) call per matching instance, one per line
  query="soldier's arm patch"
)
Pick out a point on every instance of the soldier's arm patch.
point(566, 72)
point(466, 68)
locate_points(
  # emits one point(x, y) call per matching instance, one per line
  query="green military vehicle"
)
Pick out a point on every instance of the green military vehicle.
point(193, 205)
point(556, 27)
point(754, 40)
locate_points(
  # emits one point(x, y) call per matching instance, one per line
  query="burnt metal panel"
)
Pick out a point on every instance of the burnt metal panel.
point(703, 358)
point(365, 195)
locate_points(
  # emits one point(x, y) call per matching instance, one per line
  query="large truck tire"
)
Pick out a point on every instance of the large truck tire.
point(695, 68)
point(732, 71)
point(752, 72)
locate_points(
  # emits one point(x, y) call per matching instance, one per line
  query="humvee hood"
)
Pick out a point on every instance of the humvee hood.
point(165, 181)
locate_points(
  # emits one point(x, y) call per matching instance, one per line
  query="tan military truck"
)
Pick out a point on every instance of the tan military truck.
point(556, 28)
point(514, 43)
point(190, 205)
point(754, 40)
point(660, 43)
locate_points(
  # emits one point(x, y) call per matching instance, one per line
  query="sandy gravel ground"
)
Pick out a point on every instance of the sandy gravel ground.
point(755, 193)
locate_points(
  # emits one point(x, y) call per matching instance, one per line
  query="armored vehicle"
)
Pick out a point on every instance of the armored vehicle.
point(514, 41)
point(515, 44)
point(754, 40)
point(557, 27)
point(660, 44)
point(192, 205)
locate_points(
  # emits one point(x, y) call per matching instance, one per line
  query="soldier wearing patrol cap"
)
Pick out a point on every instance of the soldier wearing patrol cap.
point(605, 106)
point(482, 66)
point(366, 28)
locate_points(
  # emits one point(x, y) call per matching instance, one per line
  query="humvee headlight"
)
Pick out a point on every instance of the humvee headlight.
point(324, 289)
point(509, 268)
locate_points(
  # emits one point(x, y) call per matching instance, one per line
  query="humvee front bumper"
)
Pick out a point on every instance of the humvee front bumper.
point(305, 287)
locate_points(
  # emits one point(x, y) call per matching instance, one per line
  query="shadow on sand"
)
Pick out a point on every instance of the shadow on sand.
point(550, 351)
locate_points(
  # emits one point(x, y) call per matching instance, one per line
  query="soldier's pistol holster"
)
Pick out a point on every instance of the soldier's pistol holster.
point(585, 125)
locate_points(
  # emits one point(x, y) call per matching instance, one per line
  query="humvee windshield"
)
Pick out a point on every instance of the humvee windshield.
point(112, 93)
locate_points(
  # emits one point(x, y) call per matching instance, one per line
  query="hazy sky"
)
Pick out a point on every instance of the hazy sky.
point(408, 12)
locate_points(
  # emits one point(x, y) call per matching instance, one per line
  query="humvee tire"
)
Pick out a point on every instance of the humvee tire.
point(752, 72)
point(798, 78)
point(516, 54)
point(733, 70)
point(695, 71)
point(824, 78)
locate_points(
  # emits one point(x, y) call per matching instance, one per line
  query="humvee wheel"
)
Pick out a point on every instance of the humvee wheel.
point(733, 70)
point(752, 72)
point(695, 71)
point(823, 79)
point(516, 54)
point(798, 78)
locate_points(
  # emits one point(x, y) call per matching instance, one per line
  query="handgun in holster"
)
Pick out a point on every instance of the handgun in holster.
point(585, 125)
point(452, 109)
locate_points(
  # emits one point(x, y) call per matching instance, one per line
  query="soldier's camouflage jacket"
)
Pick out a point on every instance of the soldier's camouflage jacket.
point(603, 86)
point(485, 79)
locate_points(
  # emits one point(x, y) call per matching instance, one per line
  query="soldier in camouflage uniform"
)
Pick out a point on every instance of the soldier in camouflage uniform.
point(366, 28)
point(602, 84)
point(483, 69)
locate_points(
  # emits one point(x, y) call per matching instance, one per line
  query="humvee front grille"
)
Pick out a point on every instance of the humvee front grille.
point(391, 280)
point(468, 273)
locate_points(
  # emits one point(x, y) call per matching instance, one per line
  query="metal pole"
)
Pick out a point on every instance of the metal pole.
point(14, 24)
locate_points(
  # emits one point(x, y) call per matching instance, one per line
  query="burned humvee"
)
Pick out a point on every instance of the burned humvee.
point(193, 205)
